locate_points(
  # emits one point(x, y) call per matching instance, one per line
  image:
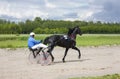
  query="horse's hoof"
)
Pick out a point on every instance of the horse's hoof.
point(79, 57)
point(53, 60)
point(63, 61)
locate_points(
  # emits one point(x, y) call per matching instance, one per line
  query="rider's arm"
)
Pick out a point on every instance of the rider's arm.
point(32, 42)
point(36, 41)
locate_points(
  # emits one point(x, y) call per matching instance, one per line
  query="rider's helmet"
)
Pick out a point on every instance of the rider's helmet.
point(32, 34)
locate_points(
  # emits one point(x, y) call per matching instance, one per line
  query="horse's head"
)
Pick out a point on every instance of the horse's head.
point(77, 30)
point(74, 31)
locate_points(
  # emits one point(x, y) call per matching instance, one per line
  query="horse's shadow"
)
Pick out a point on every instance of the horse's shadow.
point(69, 61)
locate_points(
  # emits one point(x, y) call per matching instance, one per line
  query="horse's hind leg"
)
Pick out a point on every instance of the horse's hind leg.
point(50, 52)
point(65, 55)
point(78, 51)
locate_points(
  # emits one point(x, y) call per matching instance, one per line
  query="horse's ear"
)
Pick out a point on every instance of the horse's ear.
point(69, 28)
point(77, 26)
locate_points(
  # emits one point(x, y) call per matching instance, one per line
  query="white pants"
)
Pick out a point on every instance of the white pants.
point(37, 46)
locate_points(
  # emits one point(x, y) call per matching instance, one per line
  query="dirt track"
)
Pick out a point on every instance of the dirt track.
point(95, 61)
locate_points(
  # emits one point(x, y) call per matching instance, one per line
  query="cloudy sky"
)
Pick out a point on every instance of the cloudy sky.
point(85, 10)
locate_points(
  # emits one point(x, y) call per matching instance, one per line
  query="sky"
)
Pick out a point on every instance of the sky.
point(83, 10)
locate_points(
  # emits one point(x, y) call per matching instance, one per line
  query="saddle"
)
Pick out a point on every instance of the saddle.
point(66, 37)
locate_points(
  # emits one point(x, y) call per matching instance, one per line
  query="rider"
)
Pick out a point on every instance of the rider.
point(35, 44)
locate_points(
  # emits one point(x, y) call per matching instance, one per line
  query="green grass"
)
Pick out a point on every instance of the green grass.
point(13, 44)
point(114, 76)
point(17, 41)
point(98, 40)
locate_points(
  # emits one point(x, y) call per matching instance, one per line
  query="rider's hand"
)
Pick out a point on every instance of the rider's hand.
point(41, 41)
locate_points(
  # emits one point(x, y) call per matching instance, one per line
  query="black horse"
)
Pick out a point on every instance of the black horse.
point(66, 41)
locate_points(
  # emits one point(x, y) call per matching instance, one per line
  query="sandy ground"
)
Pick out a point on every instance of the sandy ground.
point(95, 61)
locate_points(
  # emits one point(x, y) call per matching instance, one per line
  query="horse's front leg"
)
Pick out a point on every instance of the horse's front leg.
point(65, 55)
point(78, 51)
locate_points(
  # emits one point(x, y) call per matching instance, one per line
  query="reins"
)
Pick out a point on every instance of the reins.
point(73, 34)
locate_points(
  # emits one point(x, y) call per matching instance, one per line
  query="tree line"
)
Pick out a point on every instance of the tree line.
point(40, 26)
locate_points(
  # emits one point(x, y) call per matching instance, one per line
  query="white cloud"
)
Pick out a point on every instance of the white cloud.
point(49, 5)
point(104, 10)
point(108, 10)
point(19, 11)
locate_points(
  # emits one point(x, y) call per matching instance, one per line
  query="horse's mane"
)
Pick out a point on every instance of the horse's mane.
point(70, 31)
